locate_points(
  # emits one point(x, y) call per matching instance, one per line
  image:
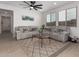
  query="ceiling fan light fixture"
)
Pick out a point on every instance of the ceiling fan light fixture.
point(31, 7)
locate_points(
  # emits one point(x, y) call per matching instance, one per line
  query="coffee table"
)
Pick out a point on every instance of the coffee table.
point(41, 36)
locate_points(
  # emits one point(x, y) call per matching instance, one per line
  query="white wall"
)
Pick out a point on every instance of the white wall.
point(74, 30)
point(18, 13)
point(20, 22)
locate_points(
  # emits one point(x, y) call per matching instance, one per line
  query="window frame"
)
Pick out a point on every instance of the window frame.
point(65, 17)
point(51, 23)
point(54, 16)
point(76, 16)
point(46, 18)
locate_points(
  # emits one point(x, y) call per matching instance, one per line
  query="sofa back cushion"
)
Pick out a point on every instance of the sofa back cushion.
point(65, 28)
point(25, 28)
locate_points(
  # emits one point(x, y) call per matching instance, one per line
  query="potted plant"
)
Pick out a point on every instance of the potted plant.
point(42, 28)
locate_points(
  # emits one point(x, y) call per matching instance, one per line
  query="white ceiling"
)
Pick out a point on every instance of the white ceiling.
point(47, 5)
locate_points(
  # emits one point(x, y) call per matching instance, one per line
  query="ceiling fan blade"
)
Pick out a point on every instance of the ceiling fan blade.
point(39, 5)
point(35, 8)
point(32, 2)
point(26, 3)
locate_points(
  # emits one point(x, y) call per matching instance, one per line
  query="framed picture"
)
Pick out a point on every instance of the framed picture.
point(27, 18)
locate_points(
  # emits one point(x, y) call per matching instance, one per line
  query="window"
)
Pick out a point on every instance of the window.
point(62, 18)
point(48, 18)
point(71, 17)
point(66, 17)
point(51, 19)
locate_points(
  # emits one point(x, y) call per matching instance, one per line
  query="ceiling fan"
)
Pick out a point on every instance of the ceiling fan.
point(32, 5)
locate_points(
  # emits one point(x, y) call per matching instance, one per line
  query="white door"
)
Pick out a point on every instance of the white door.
point(6, 23)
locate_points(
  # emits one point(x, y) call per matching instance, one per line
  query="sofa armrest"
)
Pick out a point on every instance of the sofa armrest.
point(63, 36)
point(18, 35)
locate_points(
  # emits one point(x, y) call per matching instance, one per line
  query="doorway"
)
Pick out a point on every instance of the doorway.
point(6, 24)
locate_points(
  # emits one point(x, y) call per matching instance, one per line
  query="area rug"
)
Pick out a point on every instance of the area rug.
point(33, 47)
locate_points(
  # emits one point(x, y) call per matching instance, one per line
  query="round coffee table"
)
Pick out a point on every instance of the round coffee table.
point(41, 36)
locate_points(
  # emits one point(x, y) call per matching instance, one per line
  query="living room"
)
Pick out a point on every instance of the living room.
point(42, 29)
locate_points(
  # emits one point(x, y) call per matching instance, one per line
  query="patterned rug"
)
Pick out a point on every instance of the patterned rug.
point(29, 47)
point(33, 47)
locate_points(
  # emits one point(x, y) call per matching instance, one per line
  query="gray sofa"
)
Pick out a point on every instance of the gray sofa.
point(60, 33)
point(23, 32)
